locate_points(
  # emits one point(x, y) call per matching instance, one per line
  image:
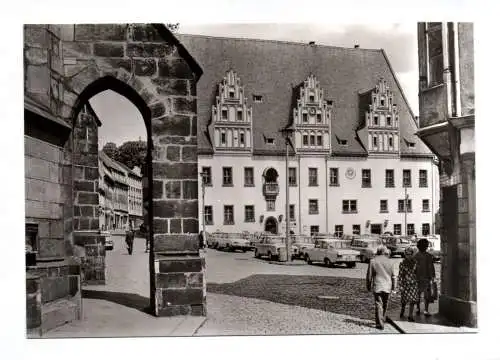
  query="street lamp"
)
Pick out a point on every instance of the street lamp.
point(203, 202)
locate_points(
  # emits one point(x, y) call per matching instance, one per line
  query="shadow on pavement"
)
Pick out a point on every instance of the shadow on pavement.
point(130, 300)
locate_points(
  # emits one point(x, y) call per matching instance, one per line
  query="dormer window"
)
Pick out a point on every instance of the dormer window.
point(231, 94)
point(343, 142)
point(388, 121)
point(223, 138)
point(382, 101)
point(257, 98)
point(319, 140)
point(411, 145)
point(311, 98)
point(242, 138)
point(329, 102)
point(269, 141)
point(239, 115)
point(304, 117)
point(312, 140)
point(375, 141)
point(375, 120)
point(224, 114)
point(318, 118)
point(391, 143)
point(305, 140)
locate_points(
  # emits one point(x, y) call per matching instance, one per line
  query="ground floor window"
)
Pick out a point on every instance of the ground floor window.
point(410, 229)
point(397, 229)
point(314, 229)
point(249, 213)
point(228, 215)
point(426, 229)
point(209, 215)
point(356, 229)
point(339, 230)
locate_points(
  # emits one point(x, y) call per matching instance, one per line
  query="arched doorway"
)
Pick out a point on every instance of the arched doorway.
point(147, 65)
point(271, 225)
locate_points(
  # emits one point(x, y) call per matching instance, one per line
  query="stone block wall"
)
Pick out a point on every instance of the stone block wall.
point(47, 196)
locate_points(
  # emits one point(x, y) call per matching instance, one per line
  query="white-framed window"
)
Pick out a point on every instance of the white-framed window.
point(410, 229)
point(356, 229)
point(228, 215)
point(425, 205)
point(349, 206)
point(249, 213)
point(291, 212)
point(339, 230)
point(292, 176)
point(426, 229)
point(366, 178)
point(389, 178)
point(206, 172)
point(314, 229)
point(422, 178)
point(406, 178)
point(313, 176)
point(209, 215)
point(227, 176)
point(248, 175)
point(313, 207)
point(401, 205)
point(397, 229)
point(334, 176)
point(384, 208)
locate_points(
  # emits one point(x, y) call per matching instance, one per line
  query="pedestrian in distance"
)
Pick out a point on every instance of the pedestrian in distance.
point(407, 282)
point(129, 239)
point(426, 275)
point(381, 279)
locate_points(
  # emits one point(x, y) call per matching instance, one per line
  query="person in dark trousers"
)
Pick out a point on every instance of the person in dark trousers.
point(129, 239)
point(381, 278)
point(201, 239)
point(425, 274)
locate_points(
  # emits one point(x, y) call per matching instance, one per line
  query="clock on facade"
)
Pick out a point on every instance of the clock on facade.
point(350, 173)
point(312, 111)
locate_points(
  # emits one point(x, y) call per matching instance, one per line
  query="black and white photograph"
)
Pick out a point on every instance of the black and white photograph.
point(221, 180)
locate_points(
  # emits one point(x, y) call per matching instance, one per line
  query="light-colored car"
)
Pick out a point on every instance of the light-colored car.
point(332, 251)
point(302, 242)
point(229, 242)
point(272, 246)
point(367, 247)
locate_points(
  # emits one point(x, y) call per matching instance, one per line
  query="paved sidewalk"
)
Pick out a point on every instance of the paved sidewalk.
point(424, 325)
point(228, 315)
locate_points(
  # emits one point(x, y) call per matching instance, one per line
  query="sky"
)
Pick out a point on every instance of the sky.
point(399, 40)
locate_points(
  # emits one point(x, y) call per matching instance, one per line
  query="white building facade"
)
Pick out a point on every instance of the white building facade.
point(355, 163)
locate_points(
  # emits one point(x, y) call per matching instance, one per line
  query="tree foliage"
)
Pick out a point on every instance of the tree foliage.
point(132, 154)
point(111, 150)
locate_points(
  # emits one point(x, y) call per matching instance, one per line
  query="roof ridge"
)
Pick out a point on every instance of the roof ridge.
point(279, 42)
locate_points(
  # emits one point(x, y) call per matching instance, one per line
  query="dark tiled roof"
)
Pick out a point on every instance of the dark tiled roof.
point(275, 69)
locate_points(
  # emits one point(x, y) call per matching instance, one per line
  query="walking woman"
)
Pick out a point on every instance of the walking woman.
point(407, 280)
point(425, 274)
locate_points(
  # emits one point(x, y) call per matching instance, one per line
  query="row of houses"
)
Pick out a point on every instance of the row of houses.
point(120, 195)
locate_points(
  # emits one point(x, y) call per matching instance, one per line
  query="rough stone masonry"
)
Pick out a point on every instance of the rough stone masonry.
point(148, 65)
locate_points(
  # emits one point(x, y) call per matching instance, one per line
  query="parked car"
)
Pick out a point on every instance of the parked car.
point(272, 246)
point(301, 243)
point(398, 244)
point(367, 247)
point(230, 242)
point(332, 251)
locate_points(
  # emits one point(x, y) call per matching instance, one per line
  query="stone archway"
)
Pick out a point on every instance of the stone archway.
point(146, 64)
point(271, 225)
